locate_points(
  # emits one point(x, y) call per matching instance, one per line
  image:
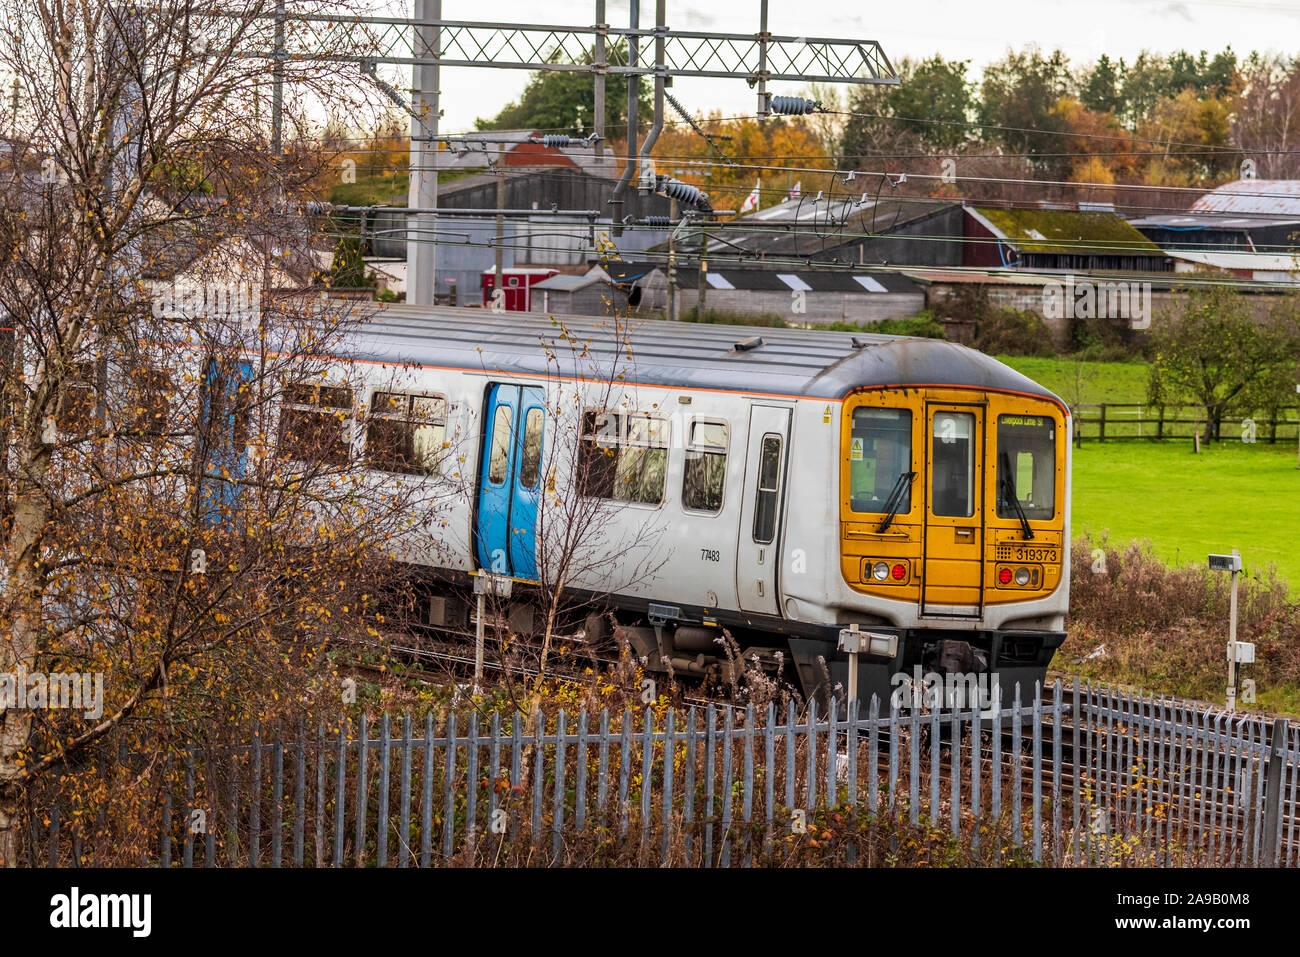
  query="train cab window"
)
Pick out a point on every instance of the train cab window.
point(499, 460)
point(623, 456)
point(1026, 466)
point(705, 471)
point(405, 433)
point(314, 423)
point(530, 460)
point(769, 481)
point(952, 465)
point(880, 450)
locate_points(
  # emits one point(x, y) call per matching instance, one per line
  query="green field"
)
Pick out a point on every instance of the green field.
point(1231, 495)
point(1085, 383)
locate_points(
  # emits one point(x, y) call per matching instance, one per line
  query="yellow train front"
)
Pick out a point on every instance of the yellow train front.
point(953, 516)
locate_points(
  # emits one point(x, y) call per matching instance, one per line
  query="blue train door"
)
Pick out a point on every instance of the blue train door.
point(225, 420)
point(510, 480)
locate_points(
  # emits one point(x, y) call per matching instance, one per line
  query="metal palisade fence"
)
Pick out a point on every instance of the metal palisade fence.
point(1087, 775)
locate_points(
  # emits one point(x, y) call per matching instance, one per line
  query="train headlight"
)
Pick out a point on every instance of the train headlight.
point(880, 571)
point(899, 572)
point(1004, 576)
point(1022, 576)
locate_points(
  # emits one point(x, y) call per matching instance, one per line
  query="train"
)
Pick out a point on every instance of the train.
point(787, 487)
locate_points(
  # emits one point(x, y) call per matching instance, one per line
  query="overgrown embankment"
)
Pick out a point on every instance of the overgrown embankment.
point(1135, 620)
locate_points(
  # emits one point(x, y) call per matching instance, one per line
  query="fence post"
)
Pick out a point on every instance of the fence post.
point(1101, 424)
point(1273, 792)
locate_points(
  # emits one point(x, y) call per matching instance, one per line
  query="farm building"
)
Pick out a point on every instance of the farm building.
point(594, 294)
point(1253, 197)
point(1222, 232)
point(802, 296)
point(1067, 240)
point(467, 243)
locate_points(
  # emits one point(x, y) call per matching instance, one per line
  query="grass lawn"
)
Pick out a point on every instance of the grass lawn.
point(1231, 495)
point(1085, 383)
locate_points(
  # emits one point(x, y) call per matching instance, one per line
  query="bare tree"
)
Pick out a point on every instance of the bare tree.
point(167, 526)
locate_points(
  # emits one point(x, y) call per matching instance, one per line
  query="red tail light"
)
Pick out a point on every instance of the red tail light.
point(899, 572)
point(1004, 576)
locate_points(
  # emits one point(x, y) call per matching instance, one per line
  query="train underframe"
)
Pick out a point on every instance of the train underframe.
point(689, 643)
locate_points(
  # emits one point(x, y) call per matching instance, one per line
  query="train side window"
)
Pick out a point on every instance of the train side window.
point(705, 472)
point(406, 433)
point(623, 456)
point(952, 465)
point(502, 428)
point(79, 412)
point(643, 460)
point(1027, 465)
point(149, 401)
point(598, 453)
point(314, 423)
point(530, 459)
point(769, 481)
point(880, 450)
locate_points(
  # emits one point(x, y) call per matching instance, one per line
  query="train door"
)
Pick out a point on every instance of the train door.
point(758, 547)
point(510, 480)
point(225, 429)
point(951, 576)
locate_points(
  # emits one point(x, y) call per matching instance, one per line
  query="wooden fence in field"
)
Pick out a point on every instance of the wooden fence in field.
point(1110, 421)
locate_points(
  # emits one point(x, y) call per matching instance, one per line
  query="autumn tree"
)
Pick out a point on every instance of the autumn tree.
point(182, 517)
point(932, 105)
point(1266, 115)
point(1217, 351)
point(1018, 98)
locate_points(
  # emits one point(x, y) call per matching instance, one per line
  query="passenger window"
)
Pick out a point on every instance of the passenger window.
point(705, 472)
point(1027, 466)
point(406, 433)
point(530, 463)
point(313, 423)
point(150, 401)
point(499, 460)
point(78, 414)
point(880, 451)
point(952, 465)
point(623, 456)
point(769, 480)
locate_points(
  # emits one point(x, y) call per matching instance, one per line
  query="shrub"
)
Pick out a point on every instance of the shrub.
point(1165, 628)
point(1013, 332)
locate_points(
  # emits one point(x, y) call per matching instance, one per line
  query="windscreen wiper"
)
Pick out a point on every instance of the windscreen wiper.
point(1009, 492)
point(896, 498)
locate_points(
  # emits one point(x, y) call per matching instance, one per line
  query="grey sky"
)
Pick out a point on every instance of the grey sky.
point(979, 32)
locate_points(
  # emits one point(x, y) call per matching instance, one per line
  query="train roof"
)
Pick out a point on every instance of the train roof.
point(752, 359)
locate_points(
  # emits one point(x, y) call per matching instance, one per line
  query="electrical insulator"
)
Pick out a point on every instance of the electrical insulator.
point(793, 105)
point(661, 222)
point(557, 139)
point(683, 192)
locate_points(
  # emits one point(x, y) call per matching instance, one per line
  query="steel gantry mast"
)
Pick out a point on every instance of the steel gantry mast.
point(425, 42)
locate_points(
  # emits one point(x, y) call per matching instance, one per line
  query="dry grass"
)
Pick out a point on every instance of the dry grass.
point(1135, 620)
